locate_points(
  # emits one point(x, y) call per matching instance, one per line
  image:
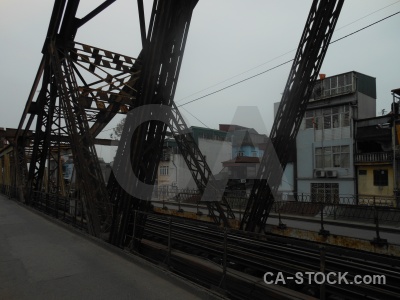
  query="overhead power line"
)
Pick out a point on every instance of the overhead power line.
point(282, 64)
point(275, 67)
point(275, 58)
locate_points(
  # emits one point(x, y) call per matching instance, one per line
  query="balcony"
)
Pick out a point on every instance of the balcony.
point(333, 86)
point(374, 157)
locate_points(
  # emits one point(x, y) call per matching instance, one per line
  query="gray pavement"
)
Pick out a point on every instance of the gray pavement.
point(41, 260)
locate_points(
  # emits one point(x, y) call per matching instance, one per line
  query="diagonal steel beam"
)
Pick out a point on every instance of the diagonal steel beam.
point(310, 54)
point(162, 58)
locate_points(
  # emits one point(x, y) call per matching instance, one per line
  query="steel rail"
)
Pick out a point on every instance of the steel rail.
point(264, 256)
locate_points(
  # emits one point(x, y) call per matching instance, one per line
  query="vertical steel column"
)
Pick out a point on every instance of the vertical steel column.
point(162, 58)
point(44, 110)
point(82, 144)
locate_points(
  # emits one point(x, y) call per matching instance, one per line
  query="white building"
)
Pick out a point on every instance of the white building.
point(173, 172)
point(324, 164)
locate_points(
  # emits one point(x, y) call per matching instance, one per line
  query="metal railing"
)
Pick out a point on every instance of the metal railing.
point(373, 157)
point(365, 209)
point(360, 208)
point(8, 190)
point(67, 209)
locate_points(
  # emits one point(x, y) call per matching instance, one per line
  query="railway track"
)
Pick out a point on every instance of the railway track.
point(257, 254)
point(235, 256)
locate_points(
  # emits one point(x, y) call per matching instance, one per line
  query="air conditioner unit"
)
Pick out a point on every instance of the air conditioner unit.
point(319, 173)
point(331, 174)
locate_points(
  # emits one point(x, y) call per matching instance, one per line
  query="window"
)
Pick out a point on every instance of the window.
point(327, 122)
point(164, 170)
point(345, 116)
point(332, 157)
point(362, 172)
point(333, 86)
point(254, 153)
point(334, 117)
point(240, 153)
point(325, 192)
point(309, 115)
point(380, 177)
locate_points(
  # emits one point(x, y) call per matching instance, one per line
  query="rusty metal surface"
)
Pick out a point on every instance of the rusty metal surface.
point(338, 240)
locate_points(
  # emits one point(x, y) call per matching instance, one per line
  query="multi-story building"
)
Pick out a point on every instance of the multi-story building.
point(377, 157)
point(374, 157)
point(325, 142)
point(232, 152)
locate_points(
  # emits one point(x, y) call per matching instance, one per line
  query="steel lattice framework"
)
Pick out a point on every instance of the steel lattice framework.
point(162, 57)
point(71, 110)
point(218, 208)
point(310, 54)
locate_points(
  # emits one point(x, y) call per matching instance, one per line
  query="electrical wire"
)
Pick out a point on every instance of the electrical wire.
point(195, 117)
point(275, 58)
point(236, 83)
point(286, 62)
point(275, 67)
point(354, 32)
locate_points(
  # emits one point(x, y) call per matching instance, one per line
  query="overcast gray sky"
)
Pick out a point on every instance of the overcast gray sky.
point(226, 38)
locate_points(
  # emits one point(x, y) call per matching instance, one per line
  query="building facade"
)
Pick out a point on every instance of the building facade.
point(325, 142)
point(173, 173)
point(374, 156)
point(377, 157)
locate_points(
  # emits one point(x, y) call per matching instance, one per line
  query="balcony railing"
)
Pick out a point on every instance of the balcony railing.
point(374, 157)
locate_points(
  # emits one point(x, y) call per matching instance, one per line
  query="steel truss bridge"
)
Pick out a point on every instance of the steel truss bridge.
point(80, 88)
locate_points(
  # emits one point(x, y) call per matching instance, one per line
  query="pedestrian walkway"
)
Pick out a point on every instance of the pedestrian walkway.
point(42, 260)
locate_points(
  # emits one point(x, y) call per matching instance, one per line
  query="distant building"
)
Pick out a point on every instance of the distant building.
point(245, 141)
point(325, 142)
point(173, 172)
point(374, 156)
point(377, 157)
point(248, 147)
point(324, 164)
point(69, 173)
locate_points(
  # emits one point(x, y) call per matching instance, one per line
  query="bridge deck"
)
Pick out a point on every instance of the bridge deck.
point(41, 260)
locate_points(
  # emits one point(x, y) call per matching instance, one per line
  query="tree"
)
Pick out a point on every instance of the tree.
point(118, 130)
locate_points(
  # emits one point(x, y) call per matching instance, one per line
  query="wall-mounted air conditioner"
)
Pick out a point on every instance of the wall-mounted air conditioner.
point(319, 173)
point(331, 174)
